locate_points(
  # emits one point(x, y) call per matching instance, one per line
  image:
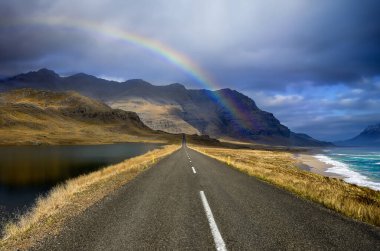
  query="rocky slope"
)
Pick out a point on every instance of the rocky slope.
point(370, 136)
point(173, 108)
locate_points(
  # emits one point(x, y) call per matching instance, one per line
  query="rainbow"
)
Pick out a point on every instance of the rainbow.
point(170, 55)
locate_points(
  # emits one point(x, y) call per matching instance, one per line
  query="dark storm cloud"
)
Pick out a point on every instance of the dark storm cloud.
point(265, 41)
point(323, 42)
point(293, 51)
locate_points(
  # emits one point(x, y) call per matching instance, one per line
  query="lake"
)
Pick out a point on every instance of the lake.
point(29, 171)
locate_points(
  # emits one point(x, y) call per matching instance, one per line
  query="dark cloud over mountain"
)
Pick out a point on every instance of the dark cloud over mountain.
point(309, 62)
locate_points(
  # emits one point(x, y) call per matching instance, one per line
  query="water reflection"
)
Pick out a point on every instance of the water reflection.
point(26, 172)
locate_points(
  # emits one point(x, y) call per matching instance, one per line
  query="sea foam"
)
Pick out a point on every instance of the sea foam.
point(345, 171)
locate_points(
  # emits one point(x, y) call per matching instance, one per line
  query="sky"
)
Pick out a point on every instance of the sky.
point(314, 64)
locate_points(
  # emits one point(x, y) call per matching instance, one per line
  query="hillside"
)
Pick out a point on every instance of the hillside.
point(29, 116)
point(173, 108)
point(370, 136)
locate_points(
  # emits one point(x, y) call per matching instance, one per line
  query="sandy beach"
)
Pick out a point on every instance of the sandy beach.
point(308, 162)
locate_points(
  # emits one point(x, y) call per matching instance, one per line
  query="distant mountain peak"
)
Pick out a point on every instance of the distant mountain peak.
point(237, 98)
point(138, 81)
point(47, 72)
point(177, 85)
point(370, 132)
point(82, 75)
point(226, 90)
point(372, 128)
point(370, 136)
point(42, 75)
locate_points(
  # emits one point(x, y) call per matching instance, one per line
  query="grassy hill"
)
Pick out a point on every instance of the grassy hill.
point(32, 117)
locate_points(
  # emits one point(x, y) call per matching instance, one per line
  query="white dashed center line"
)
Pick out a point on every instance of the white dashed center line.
point(193, 170)
point(219, 243)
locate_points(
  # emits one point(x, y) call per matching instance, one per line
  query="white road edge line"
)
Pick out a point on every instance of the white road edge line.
point(193, 170)
point(219, 243)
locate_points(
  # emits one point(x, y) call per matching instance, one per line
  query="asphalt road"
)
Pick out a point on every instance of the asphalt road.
point(190, 201)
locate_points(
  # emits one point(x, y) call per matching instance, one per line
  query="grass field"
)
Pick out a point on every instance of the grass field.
point(279, 168)
point(72, 133)
point(63, 202)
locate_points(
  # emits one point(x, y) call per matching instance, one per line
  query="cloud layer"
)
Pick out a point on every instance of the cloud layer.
point(314, 64)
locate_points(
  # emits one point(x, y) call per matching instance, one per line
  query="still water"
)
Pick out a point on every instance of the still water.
point(29, 171)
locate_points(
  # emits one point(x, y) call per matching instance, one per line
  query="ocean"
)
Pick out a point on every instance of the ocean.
point(360, 166)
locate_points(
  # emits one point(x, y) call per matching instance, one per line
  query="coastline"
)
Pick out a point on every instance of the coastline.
point(320, 163)
point(308, 162)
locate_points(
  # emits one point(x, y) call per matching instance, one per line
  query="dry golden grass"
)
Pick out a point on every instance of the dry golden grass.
point(53, 129)
point(279, 168)
point(73, 134)
point(63, 202)
point(34, 117)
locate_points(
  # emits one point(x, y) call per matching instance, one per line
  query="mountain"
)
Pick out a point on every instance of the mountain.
point(370, 136)
point(172, 108)
point(29, 116)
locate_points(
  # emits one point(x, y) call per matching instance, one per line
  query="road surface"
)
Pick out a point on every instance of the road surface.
point(190, 201)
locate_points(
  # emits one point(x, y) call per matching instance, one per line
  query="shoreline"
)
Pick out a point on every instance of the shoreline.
point(307, 162)
point(320, 163)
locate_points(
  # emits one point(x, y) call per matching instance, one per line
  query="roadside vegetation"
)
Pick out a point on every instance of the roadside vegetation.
point(279, 168)
point(65, 201)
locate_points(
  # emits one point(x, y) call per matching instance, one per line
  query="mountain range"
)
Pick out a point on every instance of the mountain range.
point(370, 136)
point(173, 108)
